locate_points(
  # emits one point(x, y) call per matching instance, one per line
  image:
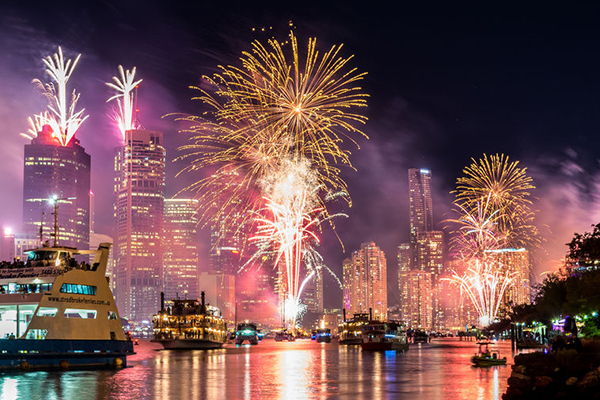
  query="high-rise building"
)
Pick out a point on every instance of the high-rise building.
point(365, 281)
point(139, 208)
point(516, 261)
point(255, 297)
point(417, 311)
point(220, 292)
point(347, 283)
point(427, 256)
point(403, 256)
point(430, 257)
point(312, 293)
point(430, 252)
point(60, 173)
point(180, 249)
point(420, 204)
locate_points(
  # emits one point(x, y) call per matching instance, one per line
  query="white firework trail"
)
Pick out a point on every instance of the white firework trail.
point(124, 115)
point(62, 115)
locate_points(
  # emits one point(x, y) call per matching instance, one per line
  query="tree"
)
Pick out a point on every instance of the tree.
point(584, 250)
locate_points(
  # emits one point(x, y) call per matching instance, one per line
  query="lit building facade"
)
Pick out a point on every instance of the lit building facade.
point(517, 262)
point(63, 173)
point(312, 293)
point(365, 281)
point(403, 256)
point(420, 204)
point(416, 299)
point(139, 209)
point(13, 245)
point(430, 258)
point(256, 298)
point(180, 249)
point(430, 252)
point(220, 292)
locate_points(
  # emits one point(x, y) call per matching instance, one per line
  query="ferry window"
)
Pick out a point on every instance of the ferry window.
point(112, 315)
point(8, 320)
point(77, 289)
point(47, 312)
point(80, 313)
point(39, 334)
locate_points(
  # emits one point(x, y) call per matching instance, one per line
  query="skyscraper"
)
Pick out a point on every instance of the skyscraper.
point(62, 173)
point(180, 249)
point(365, 281)
point(426, 256)
point(420, 204)
point(312, 293)
point(139, 207)
point(418, 311)
point(403, 256)
point(430, 252)
point(516, 261)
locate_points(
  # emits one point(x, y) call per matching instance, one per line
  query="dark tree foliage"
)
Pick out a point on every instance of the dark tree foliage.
point(585, 249)
point(575, 291)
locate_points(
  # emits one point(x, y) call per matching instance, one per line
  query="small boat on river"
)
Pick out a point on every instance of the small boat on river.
point(324, 335)
point(284, 336)
point(487, 356)
point(189, 325)
point(246, 331)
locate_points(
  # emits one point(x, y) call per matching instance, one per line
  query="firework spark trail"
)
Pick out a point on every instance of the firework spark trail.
point(507, 189)
point(62, 117)
point(477, 230)
point(485, 285)
point(124, 116)
point(493, 203)
point(272, 108)
point(36, 124)
point(290, 221)
point(276, 107)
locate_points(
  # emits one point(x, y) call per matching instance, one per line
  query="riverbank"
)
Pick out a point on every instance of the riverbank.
point(565, 374)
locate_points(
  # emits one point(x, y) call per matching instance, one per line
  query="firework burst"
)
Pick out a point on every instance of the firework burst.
point(275, 106)
point(36, 124)
point(124, 85)
point(62, 115)
point(507, 190)
point(484, 283)
point(272, 135)
point(493, 203)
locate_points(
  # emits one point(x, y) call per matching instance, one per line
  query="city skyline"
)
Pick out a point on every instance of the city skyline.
point(434, 111)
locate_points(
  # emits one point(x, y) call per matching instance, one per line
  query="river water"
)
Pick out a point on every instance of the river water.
point(302, 369)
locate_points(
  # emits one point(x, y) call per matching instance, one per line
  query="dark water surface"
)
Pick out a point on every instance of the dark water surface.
point(276, 370)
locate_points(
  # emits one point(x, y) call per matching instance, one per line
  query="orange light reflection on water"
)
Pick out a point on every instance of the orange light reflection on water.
point(270, 370)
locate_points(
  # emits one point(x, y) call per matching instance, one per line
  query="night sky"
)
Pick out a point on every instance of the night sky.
point(447, 83)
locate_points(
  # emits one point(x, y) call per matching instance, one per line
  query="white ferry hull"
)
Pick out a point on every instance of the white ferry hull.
point(28, 354)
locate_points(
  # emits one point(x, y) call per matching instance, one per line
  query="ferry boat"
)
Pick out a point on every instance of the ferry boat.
point(246, 331)
point(351, 330)
point(382, 336)
point(56, 312)
point(189, 325)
